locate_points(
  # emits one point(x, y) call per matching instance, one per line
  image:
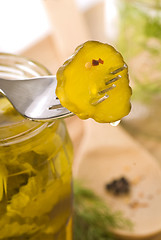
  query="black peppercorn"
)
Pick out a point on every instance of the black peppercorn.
point(118, 187)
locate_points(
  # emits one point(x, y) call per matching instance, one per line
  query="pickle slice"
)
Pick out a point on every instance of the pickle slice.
point(94, 83)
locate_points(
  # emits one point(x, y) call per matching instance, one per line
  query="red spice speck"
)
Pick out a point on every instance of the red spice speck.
point(100, 61)
point(96, 62)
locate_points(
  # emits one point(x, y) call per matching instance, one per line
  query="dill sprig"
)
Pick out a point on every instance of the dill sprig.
point(92, 218)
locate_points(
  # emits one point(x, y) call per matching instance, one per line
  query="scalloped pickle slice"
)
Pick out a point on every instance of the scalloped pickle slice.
point(94, 83)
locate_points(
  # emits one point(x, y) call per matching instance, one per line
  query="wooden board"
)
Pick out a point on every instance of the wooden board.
point(108, 153)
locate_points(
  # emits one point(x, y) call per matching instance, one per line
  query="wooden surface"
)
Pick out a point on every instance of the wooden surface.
point(107, 153)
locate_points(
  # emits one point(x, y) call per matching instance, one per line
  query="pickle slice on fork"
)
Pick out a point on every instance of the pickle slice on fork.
point(94, 83)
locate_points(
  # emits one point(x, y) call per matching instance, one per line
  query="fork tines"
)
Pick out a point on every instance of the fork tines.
point(105, 96)
point(109, 81)
point(115, 72)
point(100, 100)
point(56, 106)
point(119, 69)
point(113, 80)
point(107, 89)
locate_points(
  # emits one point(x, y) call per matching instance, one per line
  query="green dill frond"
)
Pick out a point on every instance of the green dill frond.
point(92, 218)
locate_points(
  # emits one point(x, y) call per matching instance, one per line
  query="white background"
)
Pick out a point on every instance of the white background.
point(23, 22)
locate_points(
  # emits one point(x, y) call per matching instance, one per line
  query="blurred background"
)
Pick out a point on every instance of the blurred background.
point(48, 31)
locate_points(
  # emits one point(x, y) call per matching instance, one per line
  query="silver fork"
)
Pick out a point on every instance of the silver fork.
point(35, 98)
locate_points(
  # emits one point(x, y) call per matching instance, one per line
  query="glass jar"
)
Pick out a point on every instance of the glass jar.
point(139, 40)
point(35, 167)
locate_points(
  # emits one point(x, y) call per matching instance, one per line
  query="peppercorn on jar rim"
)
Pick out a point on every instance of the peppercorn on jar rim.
point(14, 127)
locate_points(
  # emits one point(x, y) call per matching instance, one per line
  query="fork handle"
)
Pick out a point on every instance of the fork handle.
point(2, 85)
point(5, 84)
point(8, 85)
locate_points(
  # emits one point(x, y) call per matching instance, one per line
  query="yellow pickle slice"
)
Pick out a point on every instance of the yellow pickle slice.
point(94, 83)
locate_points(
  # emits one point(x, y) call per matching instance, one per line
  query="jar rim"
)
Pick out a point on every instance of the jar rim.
point(17, 64)
point(29, 60)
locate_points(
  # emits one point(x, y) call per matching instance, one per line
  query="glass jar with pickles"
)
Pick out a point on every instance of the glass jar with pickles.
point(35, 167)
